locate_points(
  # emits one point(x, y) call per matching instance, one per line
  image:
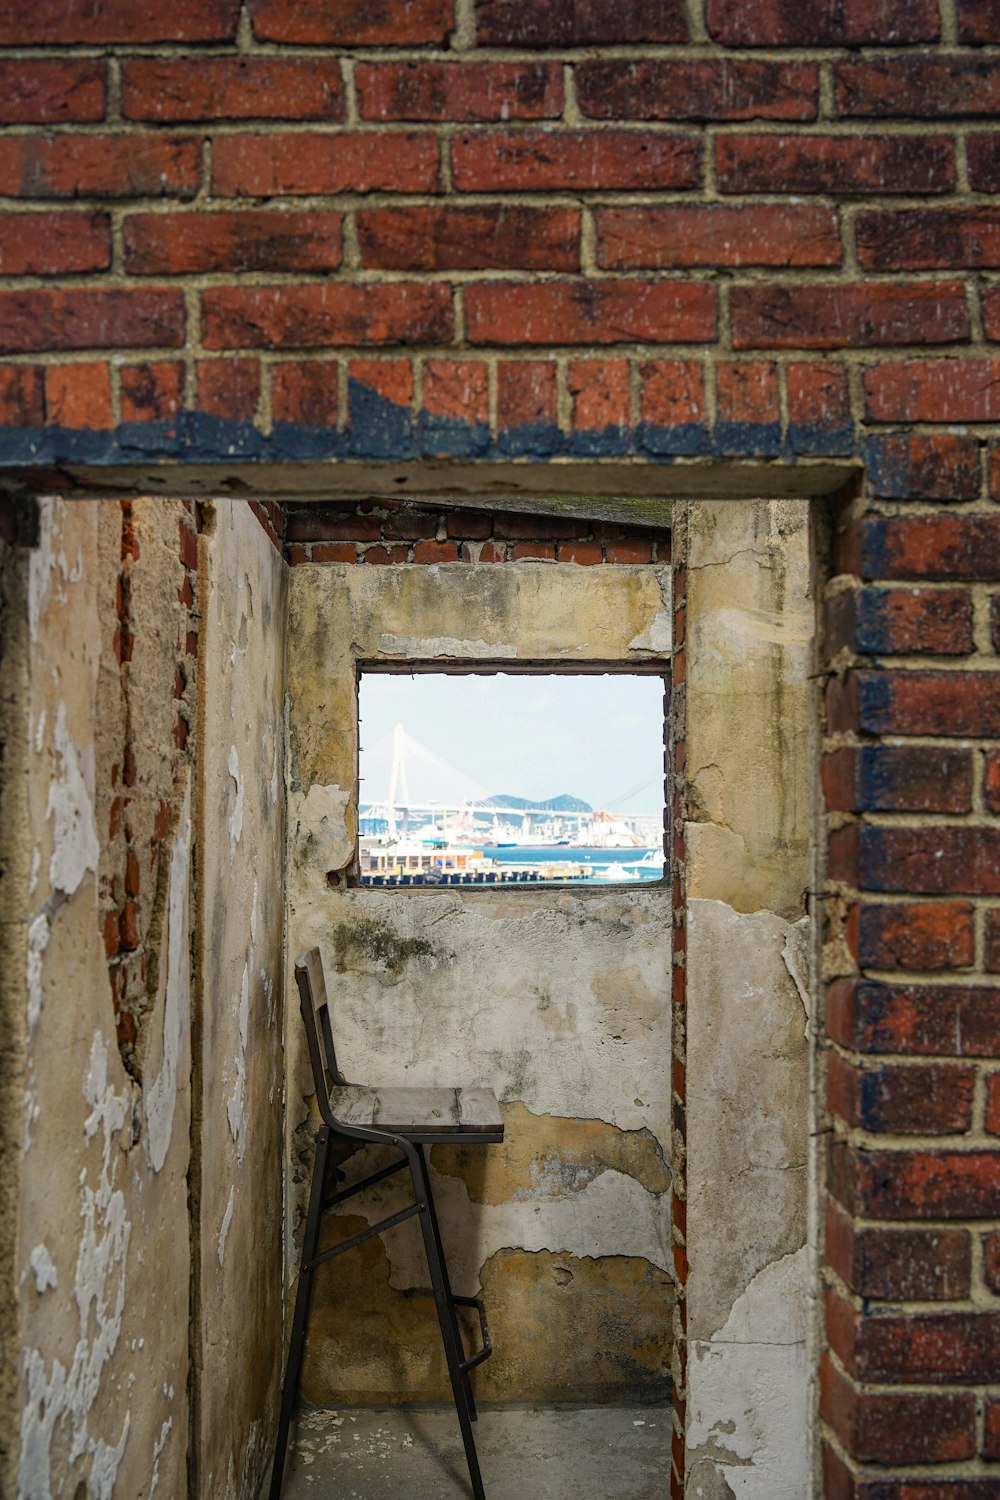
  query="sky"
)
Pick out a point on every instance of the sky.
point(599, 738)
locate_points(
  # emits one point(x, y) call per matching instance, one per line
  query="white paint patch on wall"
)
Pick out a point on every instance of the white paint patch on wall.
point(236, 816)
point(65, 1397)
point(320, 832)
point(749, 1391)
point(236, 1109)
point(75, 847)
point(227, 1219)
point(48, 568)
point(161, 1097)
point(42, 1265)
point(658, 638)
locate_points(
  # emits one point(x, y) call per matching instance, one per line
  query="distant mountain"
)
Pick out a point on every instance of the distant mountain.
point(562, 804)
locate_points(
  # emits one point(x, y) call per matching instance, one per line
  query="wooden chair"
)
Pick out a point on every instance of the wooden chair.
point(408, 1119)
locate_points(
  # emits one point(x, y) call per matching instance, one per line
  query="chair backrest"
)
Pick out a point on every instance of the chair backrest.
point(319, 1033)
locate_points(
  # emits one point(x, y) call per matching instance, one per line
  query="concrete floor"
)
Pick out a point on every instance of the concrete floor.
point(407, 1453)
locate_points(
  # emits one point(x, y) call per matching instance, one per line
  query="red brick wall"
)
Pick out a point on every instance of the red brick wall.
point(675, 232)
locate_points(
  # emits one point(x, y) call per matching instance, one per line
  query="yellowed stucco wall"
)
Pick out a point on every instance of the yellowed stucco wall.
point(750, 624)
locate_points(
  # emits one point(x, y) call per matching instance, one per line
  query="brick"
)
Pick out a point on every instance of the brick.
point(435, 552)
point(915, 1020)
point(334, 552)
point(385, 555)
point(920, 1184)
point(527, 394)
point(991, 1262)
point(748, 408)
point(915, 935)
point(599, 395)
point(497, 236)
point(902, 1098)
point(925, 87)
point(276, 164)
point(91, 319)
point(285, 317)
point(100, 166)
point(380, 395)
point(174, 244)
point(817, 23)
point(933, 390)
point(470, 525)
point(232, 88)
point(408, 525)
point(508, 527)
point(460, 92)
point(991, 312)
point(671, 393)
point(936, 860)
point(575, 23)
point(54, 23)
point(53, 244)
point(706, 89)
point(583, 553)
point(352, 23)
point(978, 21)
point(991, 1429)
point(52, 91)
point(924, 466)
point(860, 315)
point(152, 392)
point(457, 389)
point(628, 552)
point(898, 778)
point(78, 396)
point(898, 1265)
point(983, 153)
point(305, 393)
point(229, 388)
point(326, 523)
point(494, 161)
point(992, 1119)
point(914, 239)
point(534, 552)
point(819, 411)
point(22, 399)
point(772, 234)
point(991, 780)
point(959, 548)
point(991, 940)
point(915, 1428)
point(884, 622)
point(566, 312)
point(834, 164)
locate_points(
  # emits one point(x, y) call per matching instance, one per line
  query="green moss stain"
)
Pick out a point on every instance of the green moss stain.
point(371, 944)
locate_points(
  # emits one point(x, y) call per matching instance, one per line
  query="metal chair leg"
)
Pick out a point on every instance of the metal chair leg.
point(470, 1400)
point(446, 1319)
point(303, 1296)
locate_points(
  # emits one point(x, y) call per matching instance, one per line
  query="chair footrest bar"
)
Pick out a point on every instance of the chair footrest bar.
point(487, 1349)
point(359, 1187)
point(365, 1234)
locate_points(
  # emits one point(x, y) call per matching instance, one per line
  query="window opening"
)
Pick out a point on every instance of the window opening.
point(478, 779)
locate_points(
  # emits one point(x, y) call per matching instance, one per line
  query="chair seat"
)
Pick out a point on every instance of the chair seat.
point(416, 1111)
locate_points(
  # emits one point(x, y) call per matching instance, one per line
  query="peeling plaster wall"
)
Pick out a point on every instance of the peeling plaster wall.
point(750, 624)
point(557, 1000)
point(15, 874)
point(103, 1219)
point(238, 1310)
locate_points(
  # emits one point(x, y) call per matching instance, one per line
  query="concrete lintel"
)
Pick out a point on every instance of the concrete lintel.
point(603, 489)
